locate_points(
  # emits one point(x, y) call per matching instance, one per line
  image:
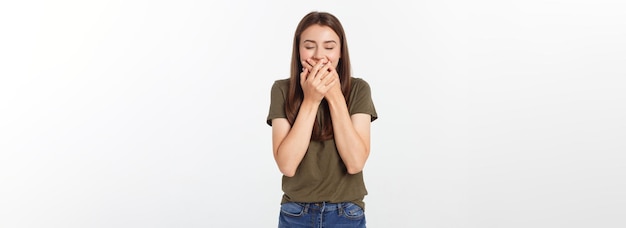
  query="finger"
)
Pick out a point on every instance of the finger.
point(315, 63)
point(309, 63)
point(331, 83)
point(316, 69)
point(325, 70)
point(333, 71)
point(323, 74)
point(328, 78)
point(321, 65)
point(332, 68)
point(330, 72)
point(305, 64)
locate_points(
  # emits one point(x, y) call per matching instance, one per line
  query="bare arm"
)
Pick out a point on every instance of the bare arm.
point(290, 143)
point(352, 133)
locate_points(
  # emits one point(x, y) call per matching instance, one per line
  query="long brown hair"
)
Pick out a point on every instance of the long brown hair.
point(322, 130)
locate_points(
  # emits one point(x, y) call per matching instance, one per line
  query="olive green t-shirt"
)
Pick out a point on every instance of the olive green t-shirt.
point(322, 175)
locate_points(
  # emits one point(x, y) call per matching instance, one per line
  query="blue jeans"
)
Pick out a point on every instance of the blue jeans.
point(321, 215)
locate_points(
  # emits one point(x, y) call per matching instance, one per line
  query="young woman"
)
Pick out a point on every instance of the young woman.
point(320, 120)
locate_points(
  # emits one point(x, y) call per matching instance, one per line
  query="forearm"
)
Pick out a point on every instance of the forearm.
point(352, 148)
point(292, 149)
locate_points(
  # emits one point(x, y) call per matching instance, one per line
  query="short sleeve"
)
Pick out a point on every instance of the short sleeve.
point(360, 100)
point(277, 100)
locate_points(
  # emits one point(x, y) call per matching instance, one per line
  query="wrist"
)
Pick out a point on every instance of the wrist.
point(309, 104)
point(335, 98)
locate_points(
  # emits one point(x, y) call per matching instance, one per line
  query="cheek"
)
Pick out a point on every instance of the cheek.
point(305, 54)
point(334, 57)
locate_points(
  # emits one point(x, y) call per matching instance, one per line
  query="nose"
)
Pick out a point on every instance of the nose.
point(319, 55)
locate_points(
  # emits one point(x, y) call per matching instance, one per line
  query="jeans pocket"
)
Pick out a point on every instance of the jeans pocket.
point(292, 209)
point(352, 211)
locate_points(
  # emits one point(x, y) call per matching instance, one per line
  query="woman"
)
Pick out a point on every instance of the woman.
point(320, 120)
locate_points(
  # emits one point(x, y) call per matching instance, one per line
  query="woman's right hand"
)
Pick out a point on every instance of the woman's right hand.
point(315, 80)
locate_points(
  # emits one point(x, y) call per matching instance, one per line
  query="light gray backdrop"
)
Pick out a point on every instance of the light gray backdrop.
point(152, 113)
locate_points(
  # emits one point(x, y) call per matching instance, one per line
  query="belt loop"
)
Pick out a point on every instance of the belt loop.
point(339, 208)
point(306, 207)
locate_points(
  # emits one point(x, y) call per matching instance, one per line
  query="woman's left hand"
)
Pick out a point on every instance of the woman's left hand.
point(336, 89)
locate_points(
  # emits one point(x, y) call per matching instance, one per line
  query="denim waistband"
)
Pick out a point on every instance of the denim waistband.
point(321, 206)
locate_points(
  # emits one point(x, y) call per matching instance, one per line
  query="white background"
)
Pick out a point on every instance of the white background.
point(152, 113)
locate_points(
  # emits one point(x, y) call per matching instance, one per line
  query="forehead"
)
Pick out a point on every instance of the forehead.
point(319, 33)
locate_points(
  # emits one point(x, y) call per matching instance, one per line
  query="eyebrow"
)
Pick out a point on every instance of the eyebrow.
point(328, 41)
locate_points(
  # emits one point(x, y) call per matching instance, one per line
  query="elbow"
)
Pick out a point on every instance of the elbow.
point(287, 171)
point(357, 165)
point(284, 167)
point(354, 169)
point(288, 174)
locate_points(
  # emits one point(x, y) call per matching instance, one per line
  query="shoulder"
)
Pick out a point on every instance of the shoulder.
point(281, 84)
point(359, 83)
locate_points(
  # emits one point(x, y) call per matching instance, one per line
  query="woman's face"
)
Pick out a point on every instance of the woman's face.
point(319, 42)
